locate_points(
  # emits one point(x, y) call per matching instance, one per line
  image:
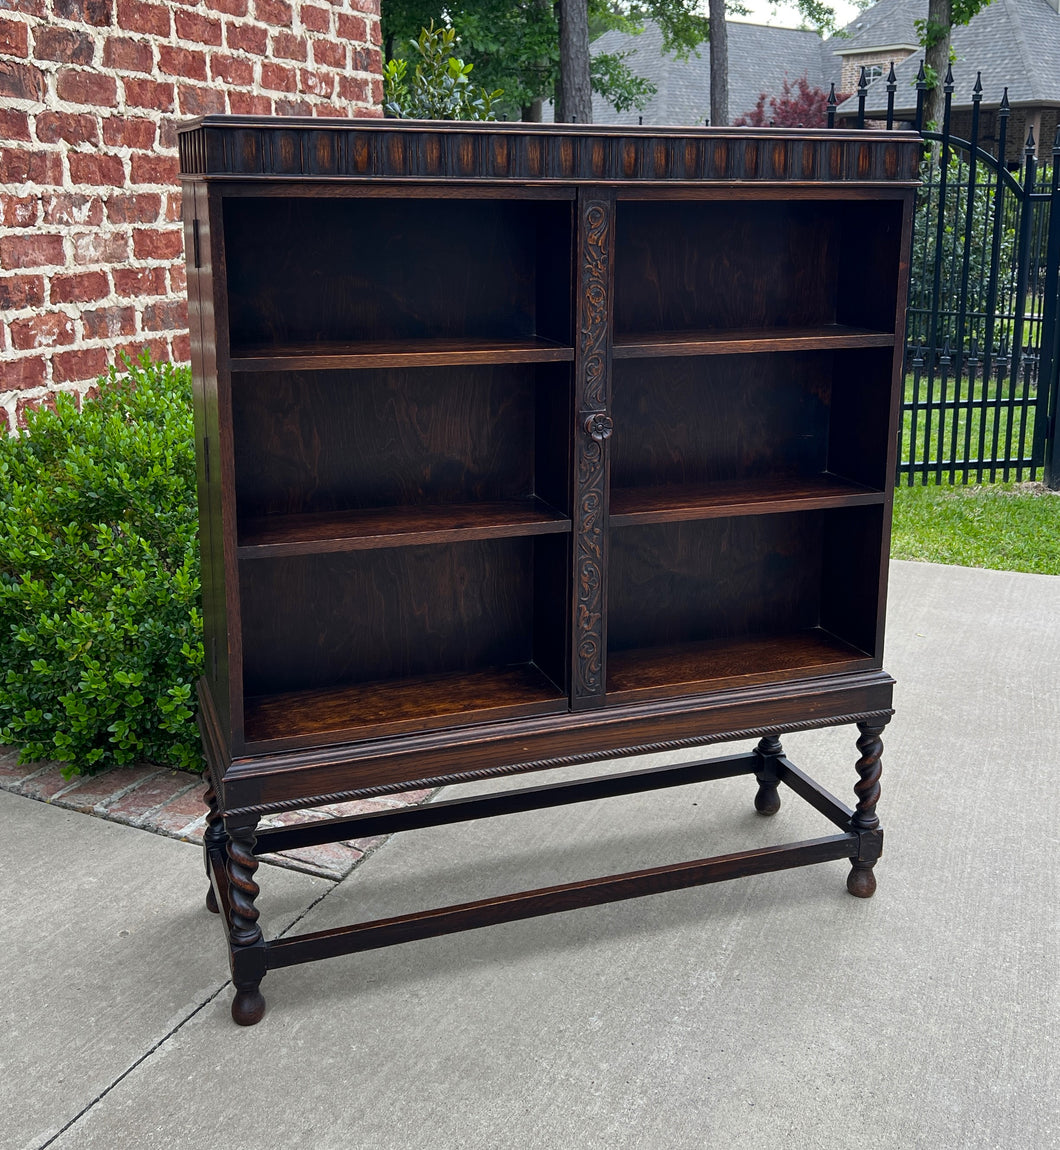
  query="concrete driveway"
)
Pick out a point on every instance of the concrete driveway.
point(771, 1012)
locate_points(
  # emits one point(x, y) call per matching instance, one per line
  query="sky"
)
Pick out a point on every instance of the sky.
point(783, 15)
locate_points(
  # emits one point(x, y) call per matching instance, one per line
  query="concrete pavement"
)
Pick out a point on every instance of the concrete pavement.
point(770, 1012)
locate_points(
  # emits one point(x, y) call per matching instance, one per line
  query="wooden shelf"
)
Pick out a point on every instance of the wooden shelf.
point(372, 527)
point(398, 353)
point(672, 504)
point(746, 341)
point(371, 710)
point(691, 668)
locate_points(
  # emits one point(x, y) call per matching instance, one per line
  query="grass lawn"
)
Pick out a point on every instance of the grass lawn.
point(984, 419)
point(1006, 526)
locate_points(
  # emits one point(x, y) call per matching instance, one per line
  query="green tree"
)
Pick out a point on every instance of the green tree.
point(935, 34)
point(815, 12)
point(516, 46)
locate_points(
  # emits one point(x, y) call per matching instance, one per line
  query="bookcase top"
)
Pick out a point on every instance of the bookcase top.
point(301, 148)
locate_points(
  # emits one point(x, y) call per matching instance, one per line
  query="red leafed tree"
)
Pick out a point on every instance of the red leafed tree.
point(800, 105)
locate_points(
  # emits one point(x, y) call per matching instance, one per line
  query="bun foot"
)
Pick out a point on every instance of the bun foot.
point(248, 1007)
point(861, 882)
point(211, 901)
point(767, 801)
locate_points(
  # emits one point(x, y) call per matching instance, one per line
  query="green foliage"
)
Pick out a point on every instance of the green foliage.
point(682, 25)
point(931, 32)
point(959, 221)
point(943, 16)
point(100, 624)
point(439, 87)
point(515, 46)
point(619, 85)
point(819, 15)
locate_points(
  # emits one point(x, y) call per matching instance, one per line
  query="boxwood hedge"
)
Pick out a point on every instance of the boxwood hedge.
point(100, 620)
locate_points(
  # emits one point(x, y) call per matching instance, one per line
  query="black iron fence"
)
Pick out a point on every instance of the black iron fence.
point(982, 356)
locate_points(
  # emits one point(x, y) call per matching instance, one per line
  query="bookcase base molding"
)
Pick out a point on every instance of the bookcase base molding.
point(233, 838)
point(525, 446)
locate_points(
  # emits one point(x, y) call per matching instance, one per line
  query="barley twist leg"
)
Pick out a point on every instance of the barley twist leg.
point(861, 881)
point(247, 945)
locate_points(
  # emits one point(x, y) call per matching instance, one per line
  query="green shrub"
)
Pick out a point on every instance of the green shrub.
point(438, 88)
point(100, 623)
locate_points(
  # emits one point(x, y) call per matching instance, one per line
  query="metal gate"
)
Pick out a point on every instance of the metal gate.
point(982, 338)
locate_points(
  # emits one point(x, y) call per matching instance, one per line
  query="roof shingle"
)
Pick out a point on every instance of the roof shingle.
point(1013, 43)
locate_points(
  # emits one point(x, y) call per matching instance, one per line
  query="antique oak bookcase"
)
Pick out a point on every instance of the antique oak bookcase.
point(525, 446)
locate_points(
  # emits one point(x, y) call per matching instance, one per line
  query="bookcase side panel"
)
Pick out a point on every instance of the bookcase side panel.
point(205, 288)
point(225, 570)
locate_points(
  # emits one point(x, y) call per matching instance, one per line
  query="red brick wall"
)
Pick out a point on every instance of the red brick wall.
point(91, 91)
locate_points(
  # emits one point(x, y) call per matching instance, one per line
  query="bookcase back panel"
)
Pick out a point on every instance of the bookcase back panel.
point(719, 418)
point(322, 620)
point(329, 441)
point(715, 265)
point(304, 271)
point(716, 579)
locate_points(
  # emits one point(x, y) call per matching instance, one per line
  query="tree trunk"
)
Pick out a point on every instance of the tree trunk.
point(531, 113)
point(937, 58)
point(719, 64)
point(575, 89)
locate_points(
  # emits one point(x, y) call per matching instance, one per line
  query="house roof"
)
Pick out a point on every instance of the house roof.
point(759, 59)
point(1014, 43)
point(886, 24)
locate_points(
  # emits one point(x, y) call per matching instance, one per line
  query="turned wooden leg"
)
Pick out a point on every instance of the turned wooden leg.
point(247, 944)
point(214, 840)
point(861, 881)
point(769, 750)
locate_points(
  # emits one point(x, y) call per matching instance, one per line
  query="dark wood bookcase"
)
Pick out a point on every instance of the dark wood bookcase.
point(528, 446)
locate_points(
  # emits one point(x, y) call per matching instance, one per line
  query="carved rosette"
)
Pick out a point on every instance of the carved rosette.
point(592, 382)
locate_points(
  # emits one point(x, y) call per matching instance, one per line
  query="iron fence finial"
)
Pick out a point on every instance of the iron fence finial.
point(892, 88)
point(832, 103)
point(977, 91)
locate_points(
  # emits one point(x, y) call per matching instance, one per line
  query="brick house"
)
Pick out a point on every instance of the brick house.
point(1014, 43)
point(91, 91)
